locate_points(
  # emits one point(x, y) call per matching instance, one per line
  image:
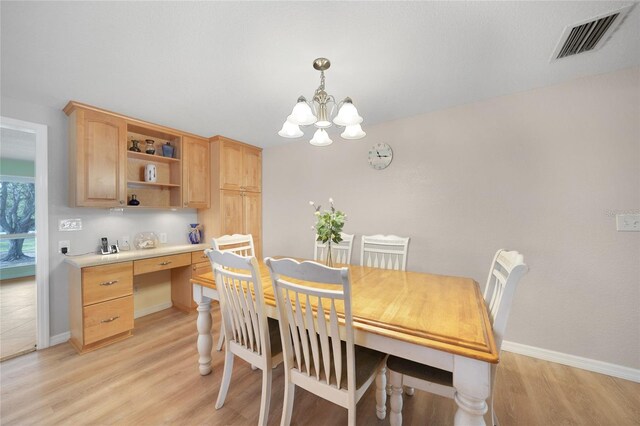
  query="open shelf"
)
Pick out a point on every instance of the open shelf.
point(151, 157)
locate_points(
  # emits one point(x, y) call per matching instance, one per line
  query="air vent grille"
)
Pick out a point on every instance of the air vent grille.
point(586, 36)
point(589, 35)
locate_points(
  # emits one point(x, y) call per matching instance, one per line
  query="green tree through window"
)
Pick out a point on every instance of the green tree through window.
point(17, 215)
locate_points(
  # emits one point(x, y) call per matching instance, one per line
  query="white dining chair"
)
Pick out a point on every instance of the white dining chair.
point(315, 357)
point(340, 252)
point(384, 251)
point(507, 269)
point(249, 334)
point(239, 244)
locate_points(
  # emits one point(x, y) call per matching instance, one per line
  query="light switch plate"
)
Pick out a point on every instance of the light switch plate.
point(70, 225)
point(628, 222)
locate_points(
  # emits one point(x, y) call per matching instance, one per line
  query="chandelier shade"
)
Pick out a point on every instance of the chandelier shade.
point(321, 112)
point(290, 130)
point(321, 138)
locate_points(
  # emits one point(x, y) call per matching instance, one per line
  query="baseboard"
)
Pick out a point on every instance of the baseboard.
point(609, 369)
point(59, 338)
point(152, 309)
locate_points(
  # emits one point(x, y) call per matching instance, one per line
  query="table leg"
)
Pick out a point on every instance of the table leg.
point(205, 340)
point(381, 392)
point(395, 400)
point(471, 379)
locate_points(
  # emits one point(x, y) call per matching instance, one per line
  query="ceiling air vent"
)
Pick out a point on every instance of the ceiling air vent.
point(589, 35)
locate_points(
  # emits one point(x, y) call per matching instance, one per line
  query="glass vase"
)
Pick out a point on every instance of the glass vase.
point(329, 260)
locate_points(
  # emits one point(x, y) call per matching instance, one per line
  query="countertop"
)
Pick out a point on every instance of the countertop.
point(125, 256)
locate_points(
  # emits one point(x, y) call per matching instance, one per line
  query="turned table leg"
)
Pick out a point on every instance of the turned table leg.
point(205, 340)
point(471, 379)
point(381, 393)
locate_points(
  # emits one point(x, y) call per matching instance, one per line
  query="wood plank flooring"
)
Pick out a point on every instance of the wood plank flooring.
point(152, 378)
point(17, 316)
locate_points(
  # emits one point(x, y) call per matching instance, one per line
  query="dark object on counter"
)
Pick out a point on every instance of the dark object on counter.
point(150, 149)
point(134, 146)
point(134, 200)
point(167, 150)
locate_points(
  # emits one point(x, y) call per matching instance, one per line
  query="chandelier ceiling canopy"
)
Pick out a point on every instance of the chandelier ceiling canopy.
point(321, 113)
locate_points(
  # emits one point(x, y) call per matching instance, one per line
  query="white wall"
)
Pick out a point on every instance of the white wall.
point(542, 172)
point(97, 223)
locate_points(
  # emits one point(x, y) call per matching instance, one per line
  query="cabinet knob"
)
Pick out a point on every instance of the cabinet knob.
point(109, 282)
point(110, 319)
point(164, 263)
point(121, 202)
point(186, 204)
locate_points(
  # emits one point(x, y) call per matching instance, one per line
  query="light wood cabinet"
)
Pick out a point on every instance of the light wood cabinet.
point(97, 167)
point(236, 197)
point(196, 173)
point(100, 305)
point(105, 172)
point(240, 165)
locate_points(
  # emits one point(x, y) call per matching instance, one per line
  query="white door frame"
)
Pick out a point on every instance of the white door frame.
point(42, 224)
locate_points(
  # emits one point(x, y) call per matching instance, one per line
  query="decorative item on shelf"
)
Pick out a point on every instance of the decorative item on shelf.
point(134, 200)
point(320, 112)
point(328, 227)
point(150, 149)
point(167, 150)
point(195, 233)
point(150, 173)
point(134, 146)
point(145, 240)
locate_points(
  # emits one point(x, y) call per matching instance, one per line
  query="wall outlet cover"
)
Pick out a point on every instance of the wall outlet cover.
point(628, 222)
point(64, 243)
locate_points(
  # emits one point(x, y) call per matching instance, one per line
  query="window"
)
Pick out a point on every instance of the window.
point(17, 221)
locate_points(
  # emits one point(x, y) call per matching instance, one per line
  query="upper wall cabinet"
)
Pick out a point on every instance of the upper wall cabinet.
point(114, 159)
point(240, 166)
point(97, 159)
point(196, 173)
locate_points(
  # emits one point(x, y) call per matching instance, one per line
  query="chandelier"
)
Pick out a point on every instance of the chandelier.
point(320, 112)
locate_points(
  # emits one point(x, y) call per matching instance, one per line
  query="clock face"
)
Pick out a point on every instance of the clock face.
point(380, 156)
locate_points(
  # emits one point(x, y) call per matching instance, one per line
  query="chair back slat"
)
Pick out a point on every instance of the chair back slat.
point(384, 251)
point(241, 300)
point(322, 361)
point(340, 252)
point(506, 270)
point(237, 243)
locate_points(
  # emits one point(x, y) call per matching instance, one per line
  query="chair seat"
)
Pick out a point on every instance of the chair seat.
point(420, 371)
point(367, 360)
point(274, 336)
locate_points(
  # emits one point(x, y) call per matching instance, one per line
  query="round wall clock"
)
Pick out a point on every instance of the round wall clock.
point(380, 156)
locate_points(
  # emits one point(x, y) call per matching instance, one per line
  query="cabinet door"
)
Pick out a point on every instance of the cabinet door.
point(231, 206)
point(100, 156)
point(252, 165)
point(253, 219)
point(195, 173)
point(231, 176)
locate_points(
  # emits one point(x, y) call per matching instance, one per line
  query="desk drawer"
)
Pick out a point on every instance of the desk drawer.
point(199, 256)
point(106, 319)
point(200, 268)
point(100, 283)
point(161, 263)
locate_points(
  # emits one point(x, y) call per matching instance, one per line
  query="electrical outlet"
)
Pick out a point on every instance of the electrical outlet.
point(64, 244)
point(628, 222)
point(70, 225)
point(163, 238)
point(124, 240)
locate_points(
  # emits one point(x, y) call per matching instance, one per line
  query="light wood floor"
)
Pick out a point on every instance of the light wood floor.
point(152, 378)
point(17, 316)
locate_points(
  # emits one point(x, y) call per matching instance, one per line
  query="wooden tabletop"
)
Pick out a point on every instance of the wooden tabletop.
point(441, 312)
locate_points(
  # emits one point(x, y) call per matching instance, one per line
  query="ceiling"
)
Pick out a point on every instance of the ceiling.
point(237, 68)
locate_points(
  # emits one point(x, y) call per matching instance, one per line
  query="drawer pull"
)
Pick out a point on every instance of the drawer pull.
point(109, 282)
point(164, 263)
point(110, 319)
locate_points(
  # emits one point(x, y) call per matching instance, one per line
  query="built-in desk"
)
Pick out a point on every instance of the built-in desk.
point(101, 289)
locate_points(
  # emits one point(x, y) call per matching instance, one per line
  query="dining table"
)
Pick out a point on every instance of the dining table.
point(437, 320)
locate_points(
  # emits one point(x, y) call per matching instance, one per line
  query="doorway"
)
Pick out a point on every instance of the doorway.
point(24, 258)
